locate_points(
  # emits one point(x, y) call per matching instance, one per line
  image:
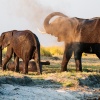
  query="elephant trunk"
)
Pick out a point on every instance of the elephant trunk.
point(47, 26)
point(0, 56)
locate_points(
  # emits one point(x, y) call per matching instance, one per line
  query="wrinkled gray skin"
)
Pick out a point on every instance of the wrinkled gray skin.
point(79, 35)
point(24, 45)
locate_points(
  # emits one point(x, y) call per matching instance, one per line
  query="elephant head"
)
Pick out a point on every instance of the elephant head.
point(73, 29)
point(61, 27)
point(6, 38)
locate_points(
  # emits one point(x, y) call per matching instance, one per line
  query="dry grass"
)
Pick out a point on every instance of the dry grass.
point(66, 79)
point(86, 81)
point(69, 79)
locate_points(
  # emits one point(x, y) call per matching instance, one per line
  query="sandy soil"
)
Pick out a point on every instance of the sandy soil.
point(11, 92)
point(25, 88)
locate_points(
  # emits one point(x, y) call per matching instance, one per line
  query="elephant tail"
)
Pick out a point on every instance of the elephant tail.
point(37, 43)
point(36, 54)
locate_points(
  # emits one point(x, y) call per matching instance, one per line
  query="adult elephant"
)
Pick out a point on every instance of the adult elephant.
point(80, 35)
point(24, 45)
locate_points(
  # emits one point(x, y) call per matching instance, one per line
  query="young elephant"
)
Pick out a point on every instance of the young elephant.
point(24, 45)
point(31, 66)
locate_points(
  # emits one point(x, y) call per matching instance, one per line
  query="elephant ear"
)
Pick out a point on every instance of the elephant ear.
point(6, 38)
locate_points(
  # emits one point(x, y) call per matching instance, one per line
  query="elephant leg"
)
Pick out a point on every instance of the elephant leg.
point(77, 56)
point(7, 57)
point(25, 70)
point(66, 57)
point(36, 57)
point(16, 60)
point(37, 61)
point(39, 70)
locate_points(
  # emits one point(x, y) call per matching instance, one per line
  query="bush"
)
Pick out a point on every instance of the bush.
point(56, 50)
point(45, 52)
point(49, 51)
point(4, 51)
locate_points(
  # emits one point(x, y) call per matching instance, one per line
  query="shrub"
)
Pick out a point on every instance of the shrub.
point(4, 51)
point(45, 52)
point(56, 50)
point(49, 51)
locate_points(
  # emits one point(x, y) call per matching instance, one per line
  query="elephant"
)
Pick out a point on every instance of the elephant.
point(25, 45)
point(31, 66)
point(79, 35)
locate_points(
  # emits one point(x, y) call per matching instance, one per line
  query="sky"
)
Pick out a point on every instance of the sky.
point(30, 14)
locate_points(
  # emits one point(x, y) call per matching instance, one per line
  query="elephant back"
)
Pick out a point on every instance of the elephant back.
point(90, 31)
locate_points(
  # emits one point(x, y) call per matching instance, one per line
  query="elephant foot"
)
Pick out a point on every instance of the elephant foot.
point(38, 73)
point(17, 70)
point(63, 69)
point(25, 73)
point(3, 68)
point(78, 69)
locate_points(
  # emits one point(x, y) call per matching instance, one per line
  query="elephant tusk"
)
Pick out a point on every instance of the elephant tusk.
point(41, 31)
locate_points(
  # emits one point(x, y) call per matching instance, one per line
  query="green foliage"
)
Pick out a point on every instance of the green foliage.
point(45, 52)
point(50, 51)
point(4, 51)
point(56, 50)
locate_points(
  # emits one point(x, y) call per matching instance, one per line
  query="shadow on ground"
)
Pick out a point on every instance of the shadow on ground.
point(27, 81)
point(90, 81)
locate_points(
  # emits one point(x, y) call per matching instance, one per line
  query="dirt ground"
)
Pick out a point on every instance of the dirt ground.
point(50, 85)
point(25, 88)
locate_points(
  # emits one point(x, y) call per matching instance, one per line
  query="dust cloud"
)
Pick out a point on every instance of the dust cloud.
point(29, 14)
point(31, 10)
